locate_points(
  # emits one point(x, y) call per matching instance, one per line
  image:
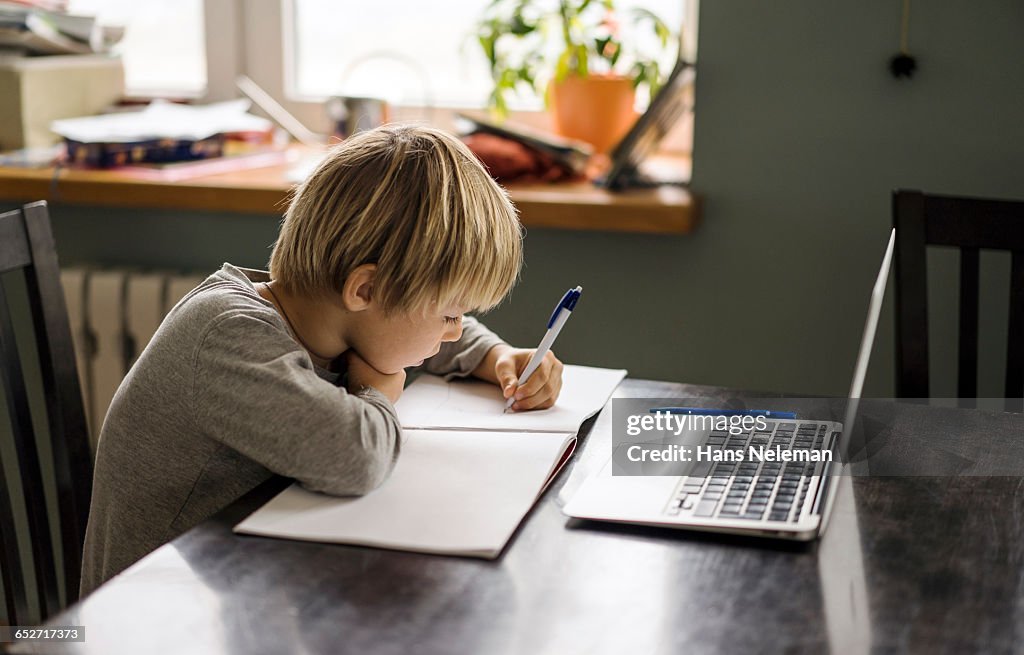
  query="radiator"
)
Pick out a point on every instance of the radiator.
point(113, 315)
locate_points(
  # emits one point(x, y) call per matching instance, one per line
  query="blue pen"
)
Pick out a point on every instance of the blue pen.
point(563, 310)
point(696, 411)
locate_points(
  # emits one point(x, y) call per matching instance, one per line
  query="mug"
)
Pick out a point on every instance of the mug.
point(352, 114)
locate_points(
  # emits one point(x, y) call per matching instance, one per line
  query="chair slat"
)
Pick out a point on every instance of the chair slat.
point(1015, 338)
point(27, 457)
point(69, 432)
point(967, 365)
point(15, 588)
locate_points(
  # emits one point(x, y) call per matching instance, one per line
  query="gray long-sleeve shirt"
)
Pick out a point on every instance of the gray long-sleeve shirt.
point(220, 400)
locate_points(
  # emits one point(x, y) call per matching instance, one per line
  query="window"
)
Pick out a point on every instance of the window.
point(301, 51)
point(430, 56)
point(163, 45)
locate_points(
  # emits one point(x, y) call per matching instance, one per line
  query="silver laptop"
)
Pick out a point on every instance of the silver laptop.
point(788, 499)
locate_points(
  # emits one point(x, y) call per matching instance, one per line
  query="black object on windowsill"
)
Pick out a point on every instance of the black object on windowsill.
point(648, 131)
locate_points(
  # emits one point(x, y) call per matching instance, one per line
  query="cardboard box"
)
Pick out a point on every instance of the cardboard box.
point(35, 91)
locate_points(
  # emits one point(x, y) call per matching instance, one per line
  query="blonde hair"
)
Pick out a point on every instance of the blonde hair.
point(416, 202)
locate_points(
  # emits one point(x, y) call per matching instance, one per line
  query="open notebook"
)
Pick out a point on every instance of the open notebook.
point(466, 476)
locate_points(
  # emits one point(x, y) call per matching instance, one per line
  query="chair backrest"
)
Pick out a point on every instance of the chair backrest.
point(26, 244)
point(970, 224)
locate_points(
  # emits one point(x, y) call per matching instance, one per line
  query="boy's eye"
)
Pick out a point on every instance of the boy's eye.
point(451, 320)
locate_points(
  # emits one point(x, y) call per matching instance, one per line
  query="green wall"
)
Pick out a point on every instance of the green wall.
point(801, 134)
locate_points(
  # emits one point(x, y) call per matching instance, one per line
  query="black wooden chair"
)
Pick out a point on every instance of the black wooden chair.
point(970, 224)
point(27, 245)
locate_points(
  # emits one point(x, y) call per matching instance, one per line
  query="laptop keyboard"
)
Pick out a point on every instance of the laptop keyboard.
point(751, 489)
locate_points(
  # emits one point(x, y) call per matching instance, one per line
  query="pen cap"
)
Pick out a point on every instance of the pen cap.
point(568, 302)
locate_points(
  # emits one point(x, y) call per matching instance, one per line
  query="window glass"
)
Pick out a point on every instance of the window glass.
point(411, 52)
point(163, 47)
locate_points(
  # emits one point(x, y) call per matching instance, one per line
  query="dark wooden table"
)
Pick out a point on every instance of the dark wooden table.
point(924, 563)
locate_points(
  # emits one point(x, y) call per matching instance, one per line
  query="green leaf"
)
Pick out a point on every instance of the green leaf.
point(660, 27)
point(487, 44)
point(574, 29)
point(526, 75)
point(637, 73)
point(499, 107)
point(508, 78)
point(615, 56)
point(664, 34)
point(562, 65)
point(581, 60)
point(519, 26)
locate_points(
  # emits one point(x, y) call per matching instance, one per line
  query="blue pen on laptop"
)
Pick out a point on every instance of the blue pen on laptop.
point(697, 411)
point(563, 310)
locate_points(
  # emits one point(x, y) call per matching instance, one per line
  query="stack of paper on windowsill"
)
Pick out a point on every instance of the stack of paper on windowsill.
point(466, 476)
point(41, 27)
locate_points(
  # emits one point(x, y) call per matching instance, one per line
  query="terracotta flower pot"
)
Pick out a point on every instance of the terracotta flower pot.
point(595, 109)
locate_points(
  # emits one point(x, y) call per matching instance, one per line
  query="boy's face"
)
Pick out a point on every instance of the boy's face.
point(392, 343)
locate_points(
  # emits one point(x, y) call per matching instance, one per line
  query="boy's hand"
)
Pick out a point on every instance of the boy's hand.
point(540, 391)
point(361, 374)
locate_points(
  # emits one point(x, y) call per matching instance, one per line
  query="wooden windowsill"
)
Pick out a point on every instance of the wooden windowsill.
point(574, 206)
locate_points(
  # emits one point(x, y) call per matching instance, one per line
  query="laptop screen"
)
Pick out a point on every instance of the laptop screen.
point(860, 369)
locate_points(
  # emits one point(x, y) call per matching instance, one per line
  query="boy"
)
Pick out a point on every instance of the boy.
point(397, 234)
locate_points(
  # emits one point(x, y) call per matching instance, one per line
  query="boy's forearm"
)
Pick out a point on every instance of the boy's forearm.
point(356, 468)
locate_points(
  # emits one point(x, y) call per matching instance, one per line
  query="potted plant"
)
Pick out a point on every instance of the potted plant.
point(577, 54)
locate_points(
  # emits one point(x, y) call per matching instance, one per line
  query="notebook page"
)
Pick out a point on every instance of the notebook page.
point(459, 493)
point(432, 403)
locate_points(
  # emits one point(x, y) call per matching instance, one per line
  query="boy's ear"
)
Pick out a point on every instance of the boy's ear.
point(358, 290)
